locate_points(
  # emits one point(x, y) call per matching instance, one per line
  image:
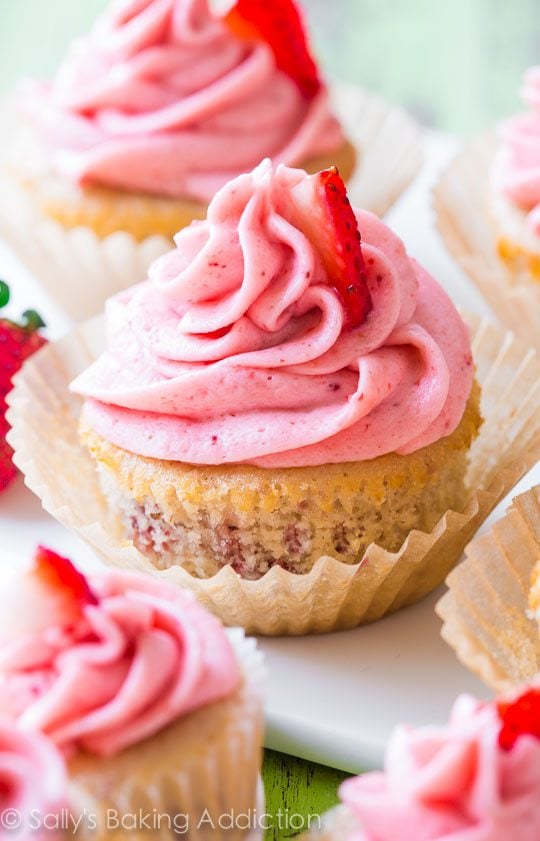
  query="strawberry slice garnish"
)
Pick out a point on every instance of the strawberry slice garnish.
point(279, 24)
point(57, 574)
point(519, 717)
point(17, 343)
point(51, 594)
point(320, 208)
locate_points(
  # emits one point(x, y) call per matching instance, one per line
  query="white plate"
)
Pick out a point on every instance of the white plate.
point(332, 698)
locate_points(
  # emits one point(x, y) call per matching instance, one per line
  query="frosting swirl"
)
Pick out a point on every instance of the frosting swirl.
point(236, 349)
point(33, 784)
point(452, 782)
point(162, 97)
point(141, 657)
point(516, 172)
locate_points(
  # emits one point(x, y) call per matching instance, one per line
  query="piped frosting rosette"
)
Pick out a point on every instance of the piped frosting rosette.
point(475, 779)
point(516, 171)
point(165, 97)
point(106, 667)
point(240, 347)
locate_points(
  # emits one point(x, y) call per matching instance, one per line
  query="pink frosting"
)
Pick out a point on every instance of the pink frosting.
point(235, 350)
point(162, 97)
point(451, 783)
point(517, 167)
point(33, 785)
point(142, 657)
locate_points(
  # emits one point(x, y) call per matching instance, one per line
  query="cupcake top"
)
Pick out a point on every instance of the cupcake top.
point(167, 98)
point(272, 336)
point(33, 785)
point(516, 170)
point(103, 665)
point(476, 779)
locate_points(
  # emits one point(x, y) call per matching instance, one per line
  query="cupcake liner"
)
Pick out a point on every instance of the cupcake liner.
point(337, 824)
point(461, 200)
point(334, 595)
point(81, 271)
point(199, 771)
point(485, 609)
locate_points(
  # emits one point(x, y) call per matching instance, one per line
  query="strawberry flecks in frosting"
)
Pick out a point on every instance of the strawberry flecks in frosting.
point(451, 783)
point(33, 784)
point(164, 98)
point(139, 657)
point(516, 171)
point(237, 349)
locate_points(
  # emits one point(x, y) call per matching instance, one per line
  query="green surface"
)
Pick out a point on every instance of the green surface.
point(297, 792)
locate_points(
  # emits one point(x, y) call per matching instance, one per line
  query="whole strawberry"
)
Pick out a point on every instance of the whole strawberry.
point(17, 343)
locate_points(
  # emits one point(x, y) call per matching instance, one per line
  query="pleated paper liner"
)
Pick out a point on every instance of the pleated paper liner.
point(191, 775)
point(81, 270)
point(485, 609)
point(461, 200)
point(337, 824)
point(334, 595)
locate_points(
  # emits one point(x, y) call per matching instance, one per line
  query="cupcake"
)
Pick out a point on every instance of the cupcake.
point(164, 102)
point(516, 186)
point(487, 204)
point(148, 116)
point(33, 787)
point(279, 391)
point(475, 779)
point(489, 610)
point(154, 705)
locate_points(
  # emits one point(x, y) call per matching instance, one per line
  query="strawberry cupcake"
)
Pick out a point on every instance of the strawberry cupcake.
point(33, 787)
point(475, 779)
point(153, 112)
point(279, 390)
point(487, 204)
point(516, 186)
point(153, 704)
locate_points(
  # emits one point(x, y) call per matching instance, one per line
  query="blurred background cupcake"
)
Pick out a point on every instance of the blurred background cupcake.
point(515, 179)
point(476, 777)
point(151, 113)
point(488, 208)
point(154, 705)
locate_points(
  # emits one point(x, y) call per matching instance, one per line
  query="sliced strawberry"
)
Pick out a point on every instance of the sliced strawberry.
point(17, 343)
point(8, 471)
point(280, 25)
point(52, 593)
point(320, 208)
point(59, 574)
point(519, 717)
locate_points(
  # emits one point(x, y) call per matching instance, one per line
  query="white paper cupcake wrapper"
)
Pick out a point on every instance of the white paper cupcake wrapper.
point(461, 200)
point(334, 595)
point(485, 609)
point(338, 824)
point(175, 774)
point(81, 271)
